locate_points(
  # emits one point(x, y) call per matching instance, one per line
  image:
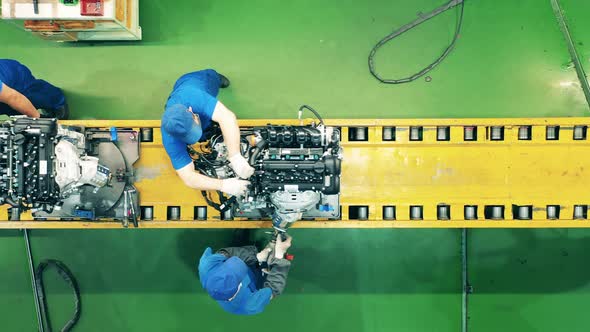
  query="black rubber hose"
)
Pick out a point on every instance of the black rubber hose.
point(68, 277)
point(409, 26)
point(259, 147)
point(11, 202)
point(313, 111)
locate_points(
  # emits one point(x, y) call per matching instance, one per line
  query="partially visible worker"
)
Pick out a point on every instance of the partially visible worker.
point(22, 93)
point(190, 110)
point(243, 280)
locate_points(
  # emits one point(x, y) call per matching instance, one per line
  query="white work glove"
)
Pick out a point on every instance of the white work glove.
point(234, 186)
point(263, 255)
point(281, 246)
point(240, 166)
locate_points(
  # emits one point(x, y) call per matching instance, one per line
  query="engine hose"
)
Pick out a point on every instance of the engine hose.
point(311, 110)
point(11, 202)
point(259, 147)
point(68, 277)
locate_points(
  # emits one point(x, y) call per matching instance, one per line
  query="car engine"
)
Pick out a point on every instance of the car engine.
point(61, 172)
point(297, 173)
point(66, 172)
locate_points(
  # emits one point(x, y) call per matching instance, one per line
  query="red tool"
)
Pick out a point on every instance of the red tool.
point(92, 8)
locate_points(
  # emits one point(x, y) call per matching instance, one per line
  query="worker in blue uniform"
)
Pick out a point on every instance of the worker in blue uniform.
point(243, 280)
point(22, 93)
point(190, 109)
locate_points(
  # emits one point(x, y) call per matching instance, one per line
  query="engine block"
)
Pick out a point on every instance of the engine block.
point(297, 171)
point(66, 173)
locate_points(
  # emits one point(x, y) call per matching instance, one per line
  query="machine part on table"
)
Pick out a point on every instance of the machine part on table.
point(67, 173)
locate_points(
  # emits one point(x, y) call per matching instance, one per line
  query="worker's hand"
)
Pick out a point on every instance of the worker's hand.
point(234, 186)
point(263, 255)
point(241, 166)
point(281, 246)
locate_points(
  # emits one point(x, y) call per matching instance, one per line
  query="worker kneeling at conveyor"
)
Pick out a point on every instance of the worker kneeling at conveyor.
point(242, 280)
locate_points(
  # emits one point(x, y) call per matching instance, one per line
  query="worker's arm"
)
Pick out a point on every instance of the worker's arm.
point(277, 272)
point(278, 267)
point(229, 128)
point(258, 301)
point(246, 253)
point(17, 101)
point(231, 137)
point(195, 180)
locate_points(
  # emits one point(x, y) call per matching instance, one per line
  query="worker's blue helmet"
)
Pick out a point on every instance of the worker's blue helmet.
point(179, 122)
point(221, 276)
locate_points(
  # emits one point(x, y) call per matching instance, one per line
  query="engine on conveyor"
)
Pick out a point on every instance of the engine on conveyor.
point(65, 172)
point(297, 173)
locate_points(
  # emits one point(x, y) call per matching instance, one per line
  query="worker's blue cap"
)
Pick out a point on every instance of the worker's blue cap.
point(179, 122)
point(221, 276)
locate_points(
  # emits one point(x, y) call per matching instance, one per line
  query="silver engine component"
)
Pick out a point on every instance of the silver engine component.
point(63, 172)
point(290, 207)
point(74, 170)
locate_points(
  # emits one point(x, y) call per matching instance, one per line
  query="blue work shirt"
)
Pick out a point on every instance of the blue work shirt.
point(40, 93)
point(249, 300)
point(198, 90)
point(14, 75)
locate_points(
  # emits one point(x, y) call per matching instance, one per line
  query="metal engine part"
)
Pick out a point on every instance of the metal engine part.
point(67, 173)
point(73, 171)
point(297, 173)
point(290, 206)
point(293, 202)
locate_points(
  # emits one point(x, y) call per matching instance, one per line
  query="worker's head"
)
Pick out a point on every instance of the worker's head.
point(221, 276)
point(224, 281)
point(180, 122)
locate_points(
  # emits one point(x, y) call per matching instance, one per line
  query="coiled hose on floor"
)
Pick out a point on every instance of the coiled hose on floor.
point(68, 277)
point(423, 18)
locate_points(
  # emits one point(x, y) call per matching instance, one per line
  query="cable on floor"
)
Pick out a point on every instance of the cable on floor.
point(423, 18)
point(68, 277)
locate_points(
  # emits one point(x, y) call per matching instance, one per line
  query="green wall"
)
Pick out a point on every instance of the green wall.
point(509, 62)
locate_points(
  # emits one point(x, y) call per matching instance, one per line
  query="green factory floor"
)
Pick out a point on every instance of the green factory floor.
point(511, 60)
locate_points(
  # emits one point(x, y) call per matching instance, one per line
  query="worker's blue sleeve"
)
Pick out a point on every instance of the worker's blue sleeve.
point(176, 150)
point(44, 95)
point(202, 103)
point(205, 106)
point(258, 301)
point(40, 93)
